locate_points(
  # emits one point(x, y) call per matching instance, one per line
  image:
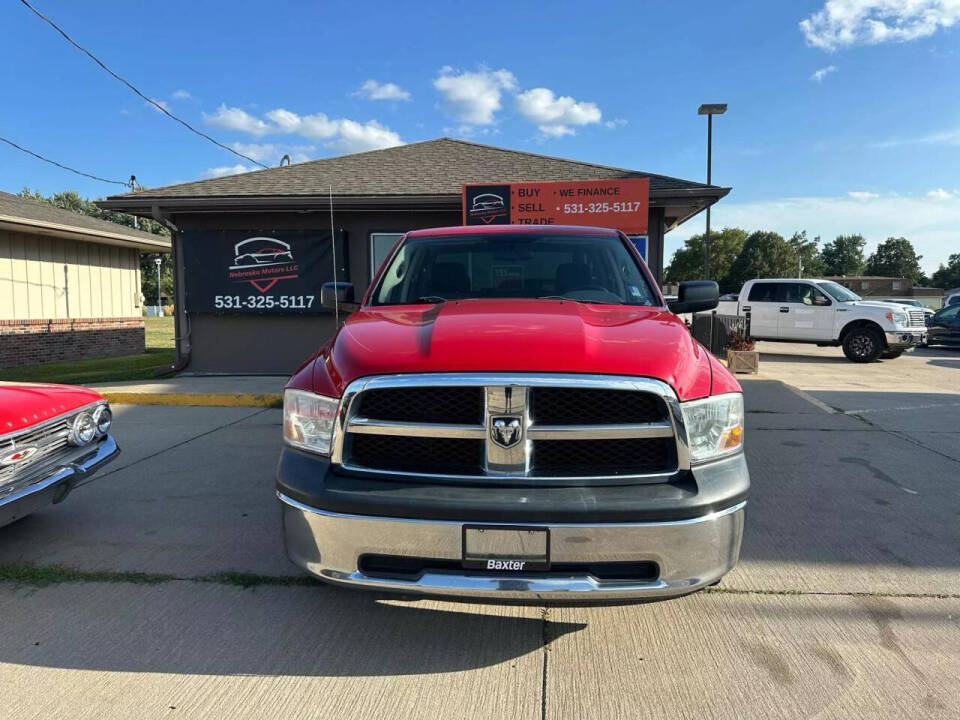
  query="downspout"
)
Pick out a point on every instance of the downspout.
point(181, 320)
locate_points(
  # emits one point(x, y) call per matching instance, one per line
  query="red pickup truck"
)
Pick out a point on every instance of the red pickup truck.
point(53, 438)
point(515, 412)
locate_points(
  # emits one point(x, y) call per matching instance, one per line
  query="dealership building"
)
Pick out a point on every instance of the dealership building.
point(252, 250)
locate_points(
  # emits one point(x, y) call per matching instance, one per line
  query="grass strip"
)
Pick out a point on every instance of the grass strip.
point(42, 575)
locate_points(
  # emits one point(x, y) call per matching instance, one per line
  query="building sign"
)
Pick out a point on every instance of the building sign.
point(621, 204)
point(238, 271)
point(640, 243)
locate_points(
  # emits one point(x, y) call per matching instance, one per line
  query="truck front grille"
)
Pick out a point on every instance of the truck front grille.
point(534, 429)
point(917, 318)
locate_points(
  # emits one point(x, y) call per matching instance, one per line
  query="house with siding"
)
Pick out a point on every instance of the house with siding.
point(69, 284)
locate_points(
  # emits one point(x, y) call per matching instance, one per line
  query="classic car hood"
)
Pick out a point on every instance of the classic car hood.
point(515, 336)
point(23, 405)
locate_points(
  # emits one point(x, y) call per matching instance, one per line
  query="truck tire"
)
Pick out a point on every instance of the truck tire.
point(863, 345)
point(890, 354)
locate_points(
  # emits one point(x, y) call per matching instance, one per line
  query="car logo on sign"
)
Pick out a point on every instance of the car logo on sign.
point(17, 456)
point(506, 430)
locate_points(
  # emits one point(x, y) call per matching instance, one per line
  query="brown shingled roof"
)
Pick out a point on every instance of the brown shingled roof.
point(433, 167)
point(27, 215)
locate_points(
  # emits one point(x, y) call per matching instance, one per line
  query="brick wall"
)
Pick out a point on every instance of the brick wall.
point(29, 342)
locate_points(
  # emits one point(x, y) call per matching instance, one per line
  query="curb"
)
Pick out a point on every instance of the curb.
point(194, 399)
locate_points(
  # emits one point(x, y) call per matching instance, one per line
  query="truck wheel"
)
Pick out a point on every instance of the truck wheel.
point(890, 354)
point(863, 345)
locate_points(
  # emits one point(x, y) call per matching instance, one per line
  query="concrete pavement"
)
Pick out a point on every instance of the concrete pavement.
point(846, 602)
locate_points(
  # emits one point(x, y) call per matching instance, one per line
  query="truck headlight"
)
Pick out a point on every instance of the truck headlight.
point(308, 420)
point(714, 426)
point(898, 318)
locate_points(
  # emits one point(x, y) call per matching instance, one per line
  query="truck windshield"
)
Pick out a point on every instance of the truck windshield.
point(838, 292)
point(581, 268)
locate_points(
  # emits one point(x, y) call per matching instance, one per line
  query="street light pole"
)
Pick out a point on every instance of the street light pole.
point(158, 260)
point(709, 109)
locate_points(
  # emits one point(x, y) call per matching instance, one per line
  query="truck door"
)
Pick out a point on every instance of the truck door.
point(763, 308)
point(806, 313)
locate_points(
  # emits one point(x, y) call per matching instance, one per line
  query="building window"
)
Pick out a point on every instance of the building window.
point(864, 284)
point(896, 284)
point(380, 245)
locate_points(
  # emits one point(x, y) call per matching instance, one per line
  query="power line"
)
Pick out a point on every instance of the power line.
point(60, 165)
point(155, 104)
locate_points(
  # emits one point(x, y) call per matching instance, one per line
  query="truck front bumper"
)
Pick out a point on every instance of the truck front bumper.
point(627, 542)
point(55, 481)
point(899, 339)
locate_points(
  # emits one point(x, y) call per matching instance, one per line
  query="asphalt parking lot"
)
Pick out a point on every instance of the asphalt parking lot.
point(846, 602)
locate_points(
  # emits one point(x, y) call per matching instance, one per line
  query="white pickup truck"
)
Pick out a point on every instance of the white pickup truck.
point(827, 314)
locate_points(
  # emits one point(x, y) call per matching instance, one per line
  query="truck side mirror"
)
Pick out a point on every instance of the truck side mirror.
point(338, 294)
point(695, 296)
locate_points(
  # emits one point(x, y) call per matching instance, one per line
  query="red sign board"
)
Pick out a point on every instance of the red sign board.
point(621, 204)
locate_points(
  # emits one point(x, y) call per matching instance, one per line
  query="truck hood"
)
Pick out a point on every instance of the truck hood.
point(23, 405)
point(547, 336)
point(885, 306)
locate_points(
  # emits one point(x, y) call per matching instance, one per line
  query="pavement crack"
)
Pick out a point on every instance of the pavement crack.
point(545, 639)
point(102, 475)
point(830, 593)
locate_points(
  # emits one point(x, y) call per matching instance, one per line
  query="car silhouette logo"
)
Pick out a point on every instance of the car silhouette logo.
point(506, 430)
point(17, 456)
point(487, 201)
point(259, 251)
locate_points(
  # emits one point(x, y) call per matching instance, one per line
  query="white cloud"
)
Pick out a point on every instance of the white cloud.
point(354, 137)
point(554, 115)
point(162, 103)
point(820, 74)
point(941, 194)
point(231, 118)
point(270, 153)
point(615, 123)
point(473, 97)
point(842, 23)
point(373, 90)
point(216, 172)
point(342, 134)
point(862, 195)
point(181, 95)
point(929, 223)
point(943, 137)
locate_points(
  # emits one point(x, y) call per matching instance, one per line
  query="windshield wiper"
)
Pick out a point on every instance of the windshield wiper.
point(432, 299)
point(576, 300)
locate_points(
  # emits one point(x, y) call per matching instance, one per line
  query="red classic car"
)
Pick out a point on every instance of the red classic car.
point(53, 438)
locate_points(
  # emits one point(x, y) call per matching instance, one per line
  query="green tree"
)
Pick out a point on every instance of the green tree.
point(844, 256)
point(687, 262)
point(765, 255)
point(807, 251)
point(895, 257)
point(70, 200)
point(948, 276)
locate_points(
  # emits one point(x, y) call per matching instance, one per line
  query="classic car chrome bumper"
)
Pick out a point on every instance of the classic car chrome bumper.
point(688, 554)
point(56, 481)
point(905, 338)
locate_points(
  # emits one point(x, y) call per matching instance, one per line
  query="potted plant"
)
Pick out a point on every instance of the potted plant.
point(742, 355)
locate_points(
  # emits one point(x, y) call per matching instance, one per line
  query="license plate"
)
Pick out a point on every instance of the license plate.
point(506, 548)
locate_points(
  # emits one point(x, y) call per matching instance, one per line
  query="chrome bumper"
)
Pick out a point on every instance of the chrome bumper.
point(905, 338)
point(53, 485)
point(691, 554)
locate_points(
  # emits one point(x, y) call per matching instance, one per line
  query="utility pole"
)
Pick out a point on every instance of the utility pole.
point(133, 187)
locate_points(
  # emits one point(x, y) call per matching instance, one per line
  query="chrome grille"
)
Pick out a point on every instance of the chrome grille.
point(50, 441)
point(917, 318)
point(511, 428)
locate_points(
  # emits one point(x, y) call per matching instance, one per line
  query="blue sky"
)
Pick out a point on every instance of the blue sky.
point(870, 143)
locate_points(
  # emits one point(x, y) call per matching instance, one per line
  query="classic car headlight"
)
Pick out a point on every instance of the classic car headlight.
point(103, 418)
point(308, 420)
point(897, 318)
point(83, 430)
point(714, 426)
